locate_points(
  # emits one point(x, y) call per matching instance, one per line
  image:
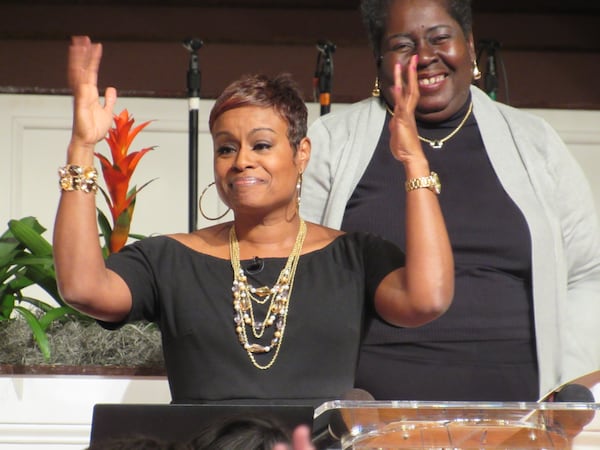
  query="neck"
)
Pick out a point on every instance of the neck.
point(266, 238)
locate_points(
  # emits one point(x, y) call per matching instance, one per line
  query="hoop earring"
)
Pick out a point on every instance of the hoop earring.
point(200, 204)
point(298, 191)
point(476, 71)
point(376, 92)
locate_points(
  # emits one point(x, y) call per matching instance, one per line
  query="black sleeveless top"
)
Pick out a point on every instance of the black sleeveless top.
point(483, 348)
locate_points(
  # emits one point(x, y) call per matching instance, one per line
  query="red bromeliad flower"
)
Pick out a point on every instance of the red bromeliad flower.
point(117, 174)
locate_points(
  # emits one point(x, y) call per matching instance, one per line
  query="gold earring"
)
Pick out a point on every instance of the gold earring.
point(200, 205)
point(376, 92)
point(298, 191)
point(476, 72)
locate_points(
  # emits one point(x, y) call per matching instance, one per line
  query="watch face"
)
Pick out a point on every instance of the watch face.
point(436, 185)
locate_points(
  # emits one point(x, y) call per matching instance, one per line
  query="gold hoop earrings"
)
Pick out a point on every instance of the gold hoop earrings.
point(476, 72)
point(200, 204)
point(376, 92)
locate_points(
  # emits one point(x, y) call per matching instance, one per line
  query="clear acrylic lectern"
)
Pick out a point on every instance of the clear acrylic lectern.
point(462, 425)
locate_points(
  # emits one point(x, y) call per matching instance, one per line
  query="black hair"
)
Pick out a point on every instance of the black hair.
point(375, 14)
point(241, 433)
point(137, 442)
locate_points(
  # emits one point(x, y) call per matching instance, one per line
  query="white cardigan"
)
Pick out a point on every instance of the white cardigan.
point(543, 179)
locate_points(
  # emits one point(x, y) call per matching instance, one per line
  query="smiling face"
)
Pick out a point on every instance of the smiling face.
point(256, 167)
point(446, 55)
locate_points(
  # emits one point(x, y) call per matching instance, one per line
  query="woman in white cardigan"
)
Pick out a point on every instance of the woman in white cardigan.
point(519, 213)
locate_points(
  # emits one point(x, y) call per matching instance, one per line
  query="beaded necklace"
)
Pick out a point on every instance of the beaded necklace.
point(277, 297)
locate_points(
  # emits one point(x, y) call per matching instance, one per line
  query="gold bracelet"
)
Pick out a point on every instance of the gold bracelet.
point(432, 182)
point(77, 178)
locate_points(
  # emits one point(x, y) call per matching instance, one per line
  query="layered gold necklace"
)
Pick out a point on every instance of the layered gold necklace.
point(277, 298)
point(439, 143)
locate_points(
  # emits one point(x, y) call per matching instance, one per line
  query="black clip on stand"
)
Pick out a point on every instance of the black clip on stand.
point(324, 75)
point(193, 85)
point(490, 78)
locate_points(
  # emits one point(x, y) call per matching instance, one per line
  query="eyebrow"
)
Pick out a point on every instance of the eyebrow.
point(408, 35)
point(256, 130)
point(253, 131)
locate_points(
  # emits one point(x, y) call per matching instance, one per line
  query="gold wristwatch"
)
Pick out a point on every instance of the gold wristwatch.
point(432, 182)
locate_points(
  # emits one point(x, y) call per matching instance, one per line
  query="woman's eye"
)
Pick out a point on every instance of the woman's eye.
point(225, 150)
point(402, 47)
point(440, 39)
point(262, 146)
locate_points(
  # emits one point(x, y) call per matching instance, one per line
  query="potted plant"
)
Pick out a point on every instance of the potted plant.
point(47, 335)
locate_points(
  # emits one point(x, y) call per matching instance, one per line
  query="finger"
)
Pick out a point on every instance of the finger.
point(413, 84)
point(397, 86)
point(281, 446)
point(301, 438)
point(110, 99)
point(75, 63)
point(84, 61)
point(94, 57)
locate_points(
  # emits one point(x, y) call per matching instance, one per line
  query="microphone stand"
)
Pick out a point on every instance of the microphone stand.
point(324, 75)
point(490, 80)
point(193, 85)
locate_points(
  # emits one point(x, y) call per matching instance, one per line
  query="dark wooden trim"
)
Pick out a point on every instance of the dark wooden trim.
point(551, 57)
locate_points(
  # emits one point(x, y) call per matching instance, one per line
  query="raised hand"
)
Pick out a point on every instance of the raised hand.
point(404, 138)
point(91, 119)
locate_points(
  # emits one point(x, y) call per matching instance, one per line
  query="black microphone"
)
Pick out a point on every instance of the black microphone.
point(256, 266)
point(572, 422)
point(337, 425)
point(193, 44)
point(574, 393)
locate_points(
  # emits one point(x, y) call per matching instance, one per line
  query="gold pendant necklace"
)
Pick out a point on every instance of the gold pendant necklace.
point(277, 297)
point(439, 143)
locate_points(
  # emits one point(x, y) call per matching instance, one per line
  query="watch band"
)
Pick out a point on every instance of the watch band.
point(431, 182)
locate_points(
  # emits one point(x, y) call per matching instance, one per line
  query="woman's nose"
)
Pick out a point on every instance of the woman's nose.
point(244, 158)
point(425, 51)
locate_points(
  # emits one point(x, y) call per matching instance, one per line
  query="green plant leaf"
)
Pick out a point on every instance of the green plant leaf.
point(54, 314)
point(40, 336)
point(28, 234)
point(7, 304)
point(9, 248)
point(19, 282)
point(105, 230)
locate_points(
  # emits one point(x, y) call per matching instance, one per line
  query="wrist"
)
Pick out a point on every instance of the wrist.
point(80, 153)
point(416, 168)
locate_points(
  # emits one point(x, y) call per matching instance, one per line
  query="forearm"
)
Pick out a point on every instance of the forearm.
point(423, 289)
point(429, 271)
point(82, 278)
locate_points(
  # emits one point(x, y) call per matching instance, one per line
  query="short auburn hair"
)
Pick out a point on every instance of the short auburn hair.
point(280, 93)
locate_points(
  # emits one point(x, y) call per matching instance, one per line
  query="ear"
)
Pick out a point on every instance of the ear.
point(471, 45)
point(303, 154)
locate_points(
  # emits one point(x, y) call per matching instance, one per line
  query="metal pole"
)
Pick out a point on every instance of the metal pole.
point(193, 85)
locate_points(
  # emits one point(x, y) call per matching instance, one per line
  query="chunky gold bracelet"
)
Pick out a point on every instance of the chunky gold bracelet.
point(77, 178)
point(432, 182)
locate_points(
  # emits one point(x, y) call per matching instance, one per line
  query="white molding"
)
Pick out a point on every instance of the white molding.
point(38, 412)
point(39, 434)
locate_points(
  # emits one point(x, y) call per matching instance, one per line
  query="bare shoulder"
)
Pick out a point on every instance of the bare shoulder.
point(319, 236)
point(212, 240)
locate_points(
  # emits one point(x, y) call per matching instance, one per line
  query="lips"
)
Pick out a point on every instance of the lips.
point(245, 181)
